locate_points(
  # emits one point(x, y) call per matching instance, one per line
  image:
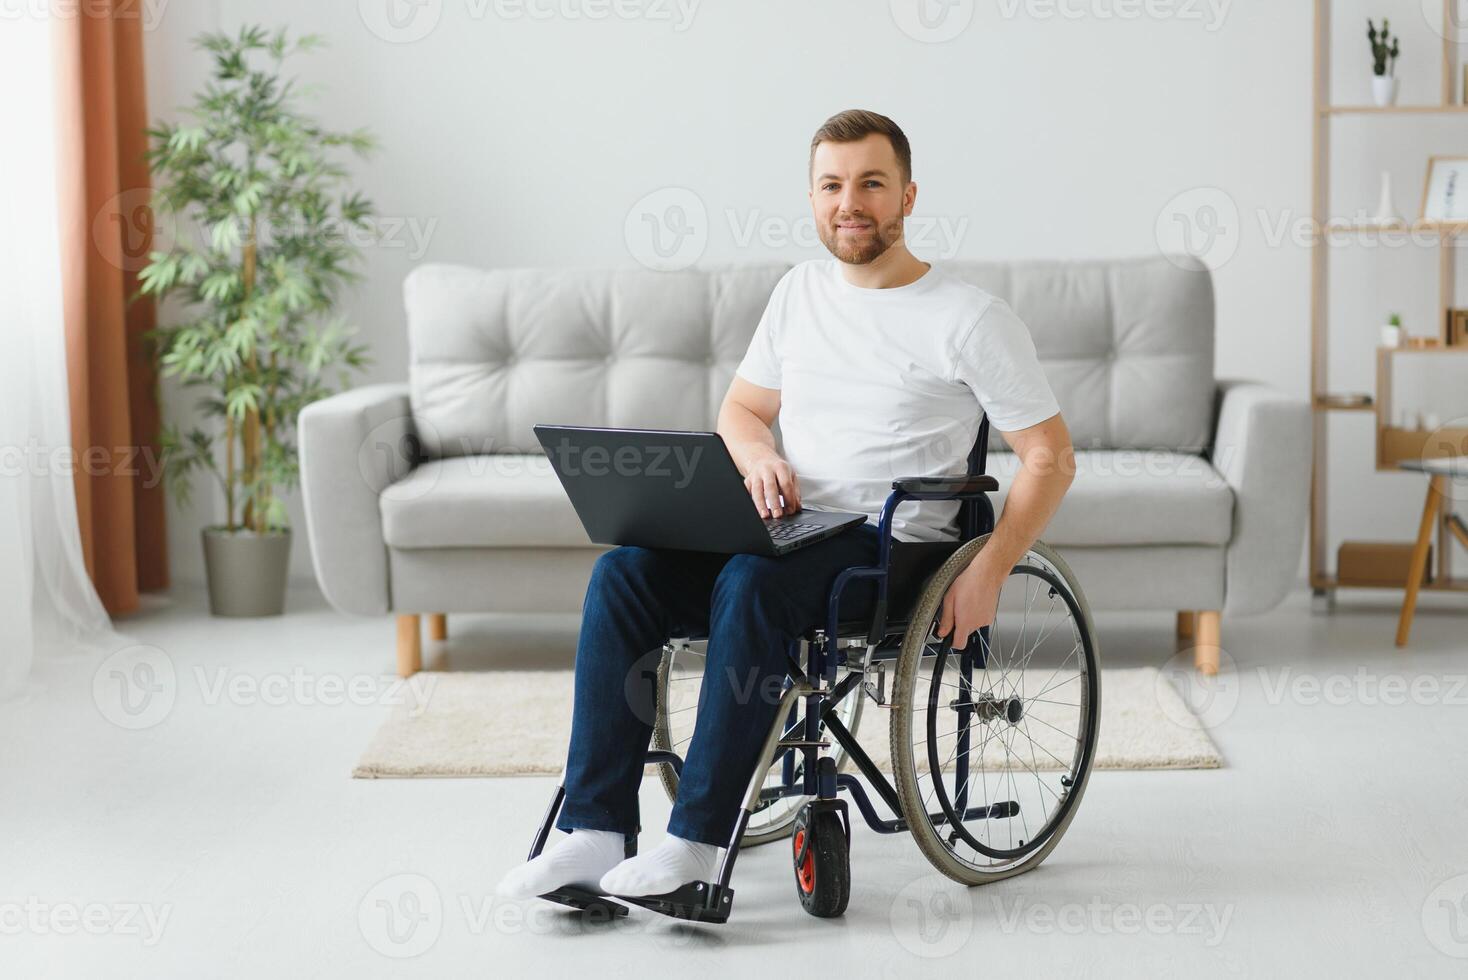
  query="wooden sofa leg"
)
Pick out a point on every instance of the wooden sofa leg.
point(410, 646)
point(1209, 641)
point(438, 626)
point(1186, 625)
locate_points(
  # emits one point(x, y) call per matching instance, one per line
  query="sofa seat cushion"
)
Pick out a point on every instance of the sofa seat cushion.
point(1119, 497)
point(1133, 497)
point(481, 501)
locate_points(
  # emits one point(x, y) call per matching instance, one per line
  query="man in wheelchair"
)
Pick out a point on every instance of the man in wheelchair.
point(878, 366)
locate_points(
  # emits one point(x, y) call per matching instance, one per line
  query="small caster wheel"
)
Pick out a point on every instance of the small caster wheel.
point(822, 862)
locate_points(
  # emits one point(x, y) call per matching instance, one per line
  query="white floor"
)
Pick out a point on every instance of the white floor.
point(212, 830)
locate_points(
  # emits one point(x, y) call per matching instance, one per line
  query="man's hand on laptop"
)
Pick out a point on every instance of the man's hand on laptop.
point(769, 478)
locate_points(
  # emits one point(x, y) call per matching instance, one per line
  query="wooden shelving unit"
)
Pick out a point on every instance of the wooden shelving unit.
point(1392, 444)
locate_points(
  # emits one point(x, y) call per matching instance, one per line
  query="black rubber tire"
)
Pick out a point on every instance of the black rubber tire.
point(826, 888)
point(914, 809)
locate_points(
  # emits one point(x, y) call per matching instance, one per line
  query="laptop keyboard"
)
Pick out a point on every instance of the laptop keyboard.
point(783, 530)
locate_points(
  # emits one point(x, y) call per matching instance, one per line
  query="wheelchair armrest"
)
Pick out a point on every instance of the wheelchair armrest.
point(956, 485)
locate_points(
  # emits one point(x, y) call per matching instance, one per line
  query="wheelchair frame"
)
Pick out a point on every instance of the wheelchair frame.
point(815, 684)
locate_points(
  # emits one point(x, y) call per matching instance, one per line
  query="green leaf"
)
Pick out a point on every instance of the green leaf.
point(225, 235)
point(159, 274)
point(241, 400)
point(187, 138)
point(220, 286)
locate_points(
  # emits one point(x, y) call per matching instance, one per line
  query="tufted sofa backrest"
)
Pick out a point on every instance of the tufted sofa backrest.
point(1127, 345)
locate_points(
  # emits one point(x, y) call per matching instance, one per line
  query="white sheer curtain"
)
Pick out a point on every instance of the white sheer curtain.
point(47, 602)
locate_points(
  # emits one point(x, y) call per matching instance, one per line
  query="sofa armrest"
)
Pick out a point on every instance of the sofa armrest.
point(1262, 449)
point(353, 445)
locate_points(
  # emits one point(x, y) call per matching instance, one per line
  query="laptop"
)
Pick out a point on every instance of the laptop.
point(666, 489)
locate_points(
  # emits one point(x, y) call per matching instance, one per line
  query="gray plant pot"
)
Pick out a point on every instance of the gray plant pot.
point(246, 571)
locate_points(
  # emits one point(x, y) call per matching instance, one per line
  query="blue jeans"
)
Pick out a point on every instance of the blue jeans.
point(751, 608)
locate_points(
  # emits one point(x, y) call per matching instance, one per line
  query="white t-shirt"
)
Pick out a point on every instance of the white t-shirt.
point(879, 384)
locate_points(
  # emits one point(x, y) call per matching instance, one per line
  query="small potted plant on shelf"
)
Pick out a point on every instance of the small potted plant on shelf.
point(271, 244)
point(1391, 331)
point(1384, 50)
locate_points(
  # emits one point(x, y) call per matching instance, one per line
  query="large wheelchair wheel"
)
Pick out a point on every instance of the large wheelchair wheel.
point(992, 745)
point(680, 678)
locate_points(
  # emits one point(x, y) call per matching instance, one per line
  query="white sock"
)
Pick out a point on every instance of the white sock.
point(580, 859)
point(673, 863)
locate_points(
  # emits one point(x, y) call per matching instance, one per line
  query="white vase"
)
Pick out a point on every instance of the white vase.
point(1391, 335)
point(1384, 89)
point(1386, 210)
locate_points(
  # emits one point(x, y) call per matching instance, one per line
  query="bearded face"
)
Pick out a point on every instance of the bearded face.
point(859, 198)
point(858, 238)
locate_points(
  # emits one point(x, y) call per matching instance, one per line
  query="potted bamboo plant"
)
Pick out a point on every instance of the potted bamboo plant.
point(265, 235)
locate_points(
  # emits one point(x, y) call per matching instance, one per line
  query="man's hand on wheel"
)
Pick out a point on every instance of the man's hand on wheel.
point(768, 479)
point(970, 602)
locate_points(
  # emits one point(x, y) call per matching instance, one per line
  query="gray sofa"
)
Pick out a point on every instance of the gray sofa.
point(433, 497)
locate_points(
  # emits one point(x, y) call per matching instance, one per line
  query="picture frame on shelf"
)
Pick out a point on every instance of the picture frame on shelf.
point(1445, 191)
point(1457, 333)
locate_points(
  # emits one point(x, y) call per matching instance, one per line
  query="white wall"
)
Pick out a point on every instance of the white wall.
point(1045, 128)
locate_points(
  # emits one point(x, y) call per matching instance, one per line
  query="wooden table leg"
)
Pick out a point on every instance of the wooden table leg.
point(1186, 625)
point(1419, 558)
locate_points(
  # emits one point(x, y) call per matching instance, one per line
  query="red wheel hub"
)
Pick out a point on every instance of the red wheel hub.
point(805, 872)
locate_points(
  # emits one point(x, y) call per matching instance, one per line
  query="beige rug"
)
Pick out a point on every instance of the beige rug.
point(517, 723)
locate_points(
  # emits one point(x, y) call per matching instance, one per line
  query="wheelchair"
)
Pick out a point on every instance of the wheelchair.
point(990, 747)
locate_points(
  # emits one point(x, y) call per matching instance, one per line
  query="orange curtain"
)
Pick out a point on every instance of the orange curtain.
point(106, 234)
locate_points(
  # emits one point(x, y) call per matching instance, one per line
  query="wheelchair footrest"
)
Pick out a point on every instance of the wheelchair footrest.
point(586, 901)
point(701, 901)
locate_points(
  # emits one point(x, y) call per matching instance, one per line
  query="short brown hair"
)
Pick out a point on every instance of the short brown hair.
point(857, 124)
